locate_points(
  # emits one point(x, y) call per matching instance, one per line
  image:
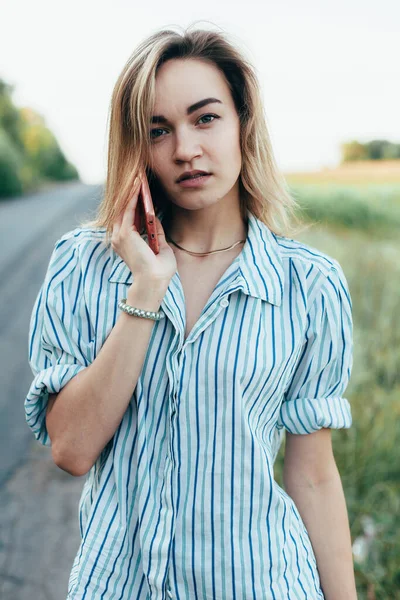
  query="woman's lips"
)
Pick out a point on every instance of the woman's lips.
point(195, 181)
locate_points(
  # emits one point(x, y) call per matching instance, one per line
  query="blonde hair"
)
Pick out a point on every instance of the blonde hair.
point(262, 188)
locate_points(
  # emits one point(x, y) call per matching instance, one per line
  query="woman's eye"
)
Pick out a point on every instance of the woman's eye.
point(153, 131)
point(213, 116)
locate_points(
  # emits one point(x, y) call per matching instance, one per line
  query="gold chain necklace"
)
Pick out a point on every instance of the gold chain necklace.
point(205, 253)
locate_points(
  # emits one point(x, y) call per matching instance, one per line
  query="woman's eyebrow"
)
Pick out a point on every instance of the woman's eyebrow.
point(189, 110)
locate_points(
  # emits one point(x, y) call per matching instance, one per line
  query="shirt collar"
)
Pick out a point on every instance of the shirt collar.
point(260, 264)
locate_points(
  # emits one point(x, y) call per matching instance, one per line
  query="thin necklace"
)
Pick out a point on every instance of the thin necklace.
point(205, 253)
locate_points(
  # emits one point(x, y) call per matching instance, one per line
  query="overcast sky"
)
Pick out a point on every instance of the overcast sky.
point(329, 70)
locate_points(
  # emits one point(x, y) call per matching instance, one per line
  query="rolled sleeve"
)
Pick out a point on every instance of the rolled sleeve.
point(59, 334)
point(314, 398)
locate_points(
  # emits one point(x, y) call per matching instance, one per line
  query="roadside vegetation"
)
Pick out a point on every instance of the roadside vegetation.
point(30, 156)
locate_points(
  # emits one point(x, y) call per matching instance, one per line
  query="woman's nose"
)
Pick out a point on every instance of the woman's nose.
point(186, 147)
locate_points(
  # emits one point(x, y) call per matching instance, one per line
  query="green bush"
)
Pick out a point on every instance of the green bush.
point(29, 152)
point(11, 163)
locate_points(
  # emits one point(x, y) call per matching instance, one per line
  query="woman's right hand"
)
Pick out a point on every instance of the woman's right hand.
point(134, 250)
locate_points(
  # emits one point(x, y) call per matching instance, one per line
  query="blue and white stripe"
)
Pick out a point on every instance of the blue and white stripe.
point(182, 502)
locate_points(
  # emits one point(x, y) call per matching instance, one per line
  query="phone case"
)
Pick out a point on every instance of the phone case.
point(145, 214)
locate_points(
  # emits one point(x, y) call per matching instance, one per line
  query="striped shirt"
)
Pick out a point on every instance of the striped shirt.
point(182, 502)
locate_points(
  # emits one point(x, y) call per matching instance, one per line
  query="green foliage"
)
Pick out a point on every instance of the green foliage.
point(29, 153)
point(354, 151)
point(10, 165)
point(367, 454)
point(379, 149)
point(10, 121)
point(372, 150)
point(370, 208)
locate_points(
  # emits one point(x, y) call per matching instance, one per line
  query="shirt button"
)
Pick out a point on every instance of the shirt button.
point(224, 302)
point(169, 593)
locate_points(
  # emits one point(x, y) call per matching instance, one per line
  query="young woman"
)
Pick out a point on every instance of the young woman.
point(177, 415)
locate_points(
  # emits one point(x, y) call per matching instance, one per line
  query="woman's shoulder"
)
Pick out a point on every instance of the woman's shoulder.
point(313, 272)
point(305, 255)
point(78, 251)
point(75, 237)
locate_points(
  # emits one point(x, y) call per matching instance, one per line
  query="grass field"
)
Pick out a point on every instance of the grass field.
point(358, 197)
point(355, 215)
point(362, 172)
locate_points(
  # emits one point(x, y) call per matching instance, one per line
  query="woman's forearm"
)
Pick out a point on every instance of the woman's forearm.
point(89, 409)
point(323, 510)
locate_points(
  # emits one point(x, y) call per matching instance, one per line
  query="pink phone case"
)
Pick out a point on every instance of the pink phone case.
point(145, 212)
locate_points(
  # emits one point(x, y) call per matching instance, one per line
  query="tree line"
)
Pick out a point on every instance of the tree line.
point(30, 155)
point(372, 150)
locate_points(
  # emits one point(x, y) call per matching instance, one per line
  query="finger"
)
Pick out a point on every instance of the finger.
point(136, 182)
point(160, 232)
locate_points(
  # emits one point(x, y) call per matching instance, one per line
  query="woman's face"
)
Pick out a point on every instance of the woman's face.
point(207, 139)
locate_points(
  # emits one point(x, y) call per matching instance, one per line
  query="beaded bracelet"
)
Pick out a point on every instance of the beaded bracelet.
point(138, 312)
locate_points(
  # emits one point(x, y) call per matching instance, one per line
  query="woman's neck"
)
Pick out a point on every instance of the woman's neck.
point(205, 233)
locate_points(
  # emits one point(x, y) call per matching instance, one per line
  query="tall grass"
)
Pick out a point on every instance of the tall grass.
point(371, 208)
point(361, 230)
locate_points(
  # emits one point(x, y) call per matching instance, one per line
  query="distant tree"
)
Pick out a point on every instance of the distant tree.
point(353, 151)
point(29, 152)
point(391, 151)
point(11, 162)
point(375, 149)
point(42, 148)
point(372, 150)
point(383, 149)
point(10, 120)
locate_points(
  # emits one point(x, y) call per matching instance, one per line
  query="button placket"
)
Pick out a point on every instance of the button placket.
point(173, 402)
point(168, 585)
point(172, 418)
point(205, 321)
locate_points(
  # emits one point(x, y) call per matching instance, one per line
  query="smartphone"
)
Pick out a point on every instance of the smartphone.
point(145, 214)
